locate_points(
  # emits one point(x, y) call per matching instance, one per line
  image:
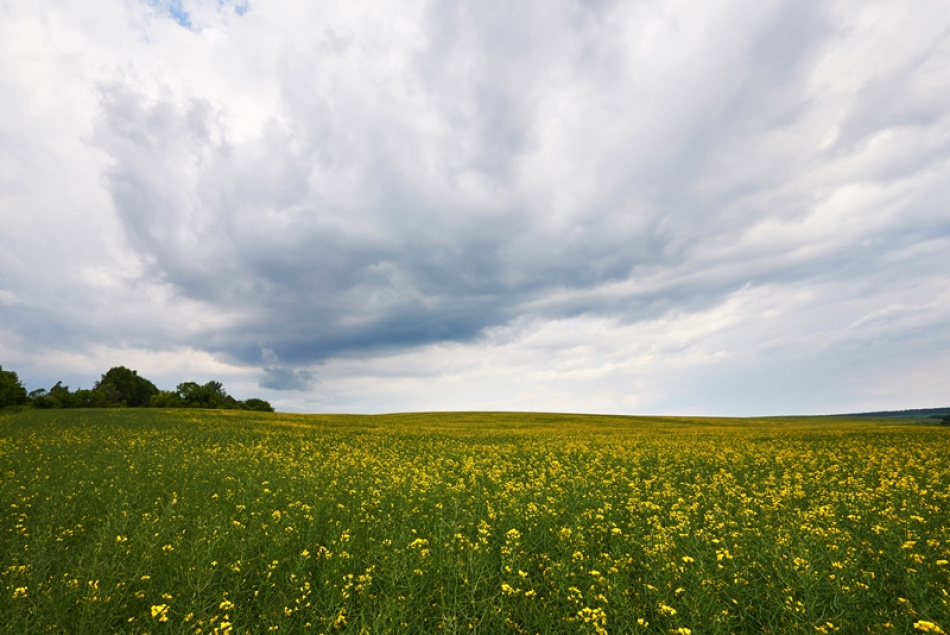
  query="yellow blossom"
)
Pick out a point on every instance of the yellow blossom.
point(160, 611)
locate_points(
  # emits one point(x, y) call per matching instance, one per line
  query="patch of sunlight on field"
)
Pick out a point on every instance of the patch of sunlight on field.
point(222, 521)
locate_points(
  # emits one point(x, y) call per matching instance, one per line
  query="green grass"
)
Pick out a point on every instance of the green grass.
point(208, 521)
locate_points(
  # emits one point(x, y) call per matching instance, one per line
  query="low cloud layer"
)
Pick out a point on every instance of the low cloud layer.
point(736, 208)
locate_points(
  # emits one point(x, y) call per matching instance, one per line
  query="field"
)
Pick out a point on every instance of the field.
point(149, 521)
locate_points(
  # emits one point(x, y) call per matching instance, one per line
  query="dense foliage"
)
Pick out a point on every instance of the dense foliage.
point(165, 521)
point(123, 387)
point(12, 392)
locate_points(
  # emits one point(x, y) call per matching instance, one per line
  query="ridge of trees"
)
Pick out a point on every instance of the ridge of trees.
point(121, 387)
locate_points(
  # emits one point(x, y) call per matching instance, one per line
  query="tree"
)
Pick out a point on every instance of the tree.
point(190, 394)
point(88, 399)
point(259, 405)
point(210, 395)
point(165, 399)
point(12, 392)
point(56, 397)
point(61, 395)
point(122, 386)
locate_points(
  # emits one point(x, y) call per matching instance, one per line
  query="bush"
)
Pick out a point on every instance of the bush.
point(88, 399)
point(258, 405)
point(165, 399)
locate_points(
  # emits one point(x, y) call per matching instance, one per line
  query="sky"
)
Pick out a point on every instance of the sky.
point(735, 208)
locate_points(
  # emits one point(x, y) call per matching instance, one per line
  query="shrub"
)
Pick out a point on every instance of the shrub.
point(259, 405)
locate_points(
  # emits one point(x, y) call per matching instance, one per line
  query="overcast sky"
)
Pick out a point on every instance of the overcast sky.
point(688, 207)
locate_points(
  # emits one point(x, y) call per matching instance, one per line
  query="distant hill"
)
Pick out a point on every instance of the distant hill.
point(914, 412)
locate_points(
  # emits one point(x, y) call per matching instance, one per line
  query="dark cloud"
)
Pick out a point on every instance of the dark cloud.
point(277, 378)
point(344, 230)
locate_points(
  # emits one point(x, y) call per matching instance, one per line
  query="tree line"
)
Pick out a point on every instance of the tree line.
point(121, 387)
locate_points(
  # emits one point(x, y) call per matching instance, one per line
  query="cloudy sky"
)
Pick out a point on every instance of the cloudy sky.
point(685, 207)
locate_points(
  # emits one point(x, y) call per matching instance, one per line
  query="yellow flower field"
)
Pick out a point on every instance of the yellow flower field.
point(144, 521)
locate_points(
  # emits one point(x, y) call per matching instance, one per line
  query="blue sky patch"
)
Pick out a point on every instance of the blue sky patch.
point(174, 9)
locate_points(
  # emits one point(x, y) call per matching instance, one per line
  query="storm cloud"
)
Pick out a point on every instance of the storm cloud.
point(735, 208)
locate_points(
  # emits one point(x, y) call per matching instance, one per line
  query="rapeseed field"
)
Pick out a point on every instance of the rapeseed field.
point(145, 521)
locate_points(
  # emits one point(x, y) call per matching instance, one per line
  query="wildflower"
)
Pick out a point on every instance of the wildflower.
point(20, 592)
point(666, 609)
point(928, 627)
point(160, 611)
point(595, 617)
point(340, 620)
